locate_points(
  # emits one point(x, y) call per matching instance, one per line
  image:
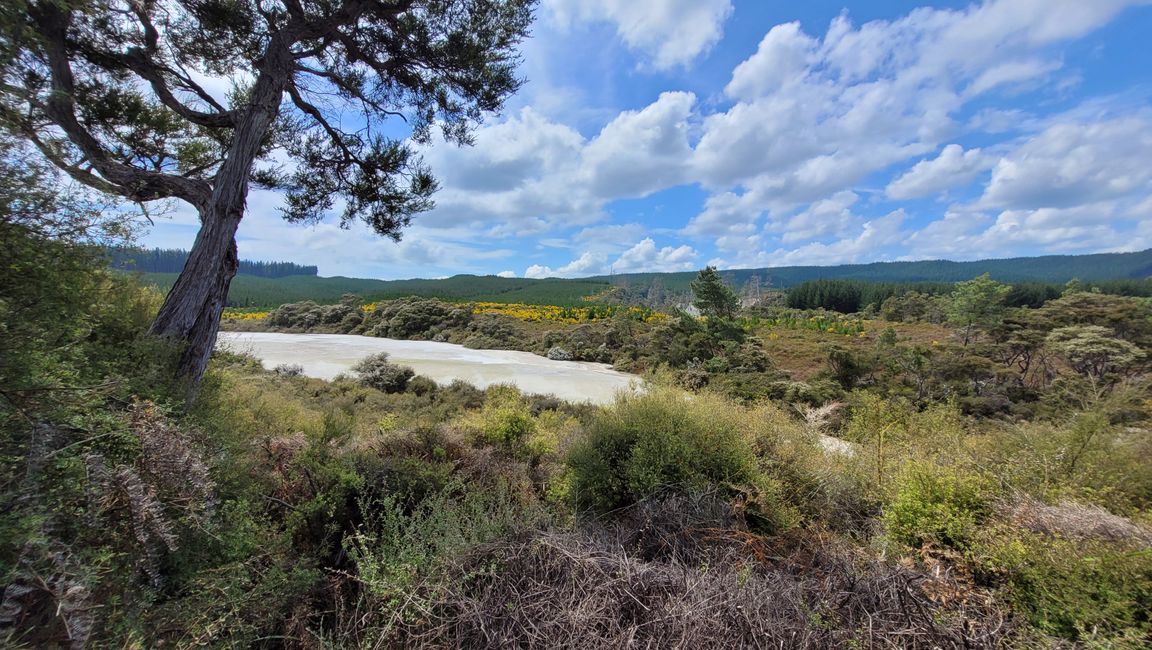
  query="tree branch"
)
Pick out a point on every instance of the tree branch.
point(136, 184)
point(334, 135)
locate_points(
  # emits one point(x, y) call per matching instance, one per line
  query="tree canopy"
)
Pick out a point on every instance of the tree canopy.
point(711, 296)
point(118, 94)
point(977, 304)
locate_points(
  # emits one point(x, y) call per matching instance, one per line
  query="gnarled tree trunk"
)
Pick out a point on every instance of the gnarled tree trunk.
point(191, 311)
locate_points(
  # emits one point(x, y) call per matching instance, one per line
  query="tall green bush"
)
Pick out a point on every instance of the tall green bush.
point(659, 441)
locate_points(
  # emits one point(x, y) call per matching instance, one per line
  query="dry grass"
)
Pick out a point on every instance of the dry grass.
point(1073, 520)
point(682, 572)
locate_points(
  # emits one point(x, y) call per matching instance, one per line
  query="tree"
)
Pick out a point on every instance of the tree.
point(976, 304)
point(711, 296)
point(112, 92)
point(1094, 351)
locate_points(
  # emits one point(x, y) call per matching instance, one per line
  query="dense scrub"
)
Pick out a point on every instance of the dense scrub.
point(898, 484)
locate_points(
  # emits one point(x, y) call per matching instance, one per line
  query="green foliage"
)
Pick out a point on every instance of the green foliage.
point(913, 306)
point(507, 421)
point(165, 260)
point(1094, 351)
point(645, 444)
point(976, 304)
point(254, 291)
point(415, 318)
point(712, 296)
point(1080, 589)
point(398, 545)
point(936, 506)
point(375, 372)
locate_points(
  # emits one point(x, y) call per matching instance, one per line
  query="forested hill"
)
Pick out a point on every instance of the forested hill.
point(249, 289)
point(171, 260)
point(1049, 268)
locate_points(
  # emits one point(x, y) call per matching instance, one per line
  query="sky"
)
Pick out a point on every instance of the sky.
point(666, 135)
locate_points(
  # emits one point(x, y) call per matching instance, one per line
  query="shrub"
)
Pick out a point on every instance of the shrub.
point(397, 545)
point(376, 372)
point(420, 385)
point(512, 423)
point(415, 318)
point(936, 506)
point(643, 445)
point(1084, 590)
point(289, 370)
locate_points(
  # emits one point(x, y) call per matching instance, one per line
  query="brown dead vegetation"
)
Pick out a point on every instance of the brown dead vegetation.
point(683, 572)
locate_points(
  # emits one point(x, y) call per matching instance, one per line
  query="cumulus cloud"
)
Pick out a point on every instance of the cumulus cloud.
point(590, 263)
point(783, 57)
point(814, 116)
point(1072, 164)
point(831, 216)
point(641, 151)
point(670, 32)
point(953, 167)
point(867, 245)
point(646, 257)
point(530, 175)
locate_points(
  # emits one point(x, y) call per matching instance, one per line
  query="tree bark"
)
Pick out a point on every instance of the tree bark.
point(191, 312)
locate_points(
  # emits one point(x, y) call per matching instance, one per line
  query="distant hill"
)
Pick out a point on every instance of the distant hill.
point(253, 291)
point(249, 291)
point(1049, 268)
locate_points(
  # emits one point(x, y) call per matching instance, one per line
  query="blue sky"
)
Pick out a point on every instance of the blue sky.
point(663, 135)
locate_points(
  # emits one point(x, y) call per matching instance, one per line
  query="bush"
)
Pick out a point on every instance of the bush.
point(511, 423)
point(647, 444)
point(1084, 590)
point(376, 372)
point(289, 370)
point(936, 506)
point(415, 318)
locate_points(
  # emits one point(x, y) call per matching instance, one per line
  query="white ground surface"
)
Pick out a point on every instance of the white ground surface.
point(326, 355)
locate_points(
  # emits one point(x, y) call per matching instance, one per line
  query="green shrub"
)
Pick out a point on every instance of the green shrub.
point(376, 372)
point(936, 506)
point(1084, 590)
point(399, 546)
point(510, 422)
point(648, 443)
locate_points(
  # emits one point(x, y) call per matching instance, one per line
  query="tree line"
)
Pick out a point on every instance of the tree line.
point(851, 296)
point(171, 260)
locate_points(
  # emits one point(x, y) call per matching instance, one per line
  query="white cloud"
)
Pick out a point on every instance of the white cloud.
point(814, 117)
point(506, 274)
point(646, 257)
point(968, 233)
point(590, 263)
point(831, 216)
point(867, 245)
point(1012, 72)
point(671, 32)
point(783, 57)
point(1075, 164)
point(529, 175)
point(953, 167)
point(641, 151)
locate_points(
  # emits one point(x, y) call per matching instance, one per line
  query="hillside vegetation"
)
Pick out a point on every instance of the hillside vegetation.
point(1124, 273)
point(944, 471)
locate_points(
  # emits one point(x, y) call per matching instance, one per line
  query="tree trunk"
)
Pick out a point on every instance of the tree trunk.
point(191, 312)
